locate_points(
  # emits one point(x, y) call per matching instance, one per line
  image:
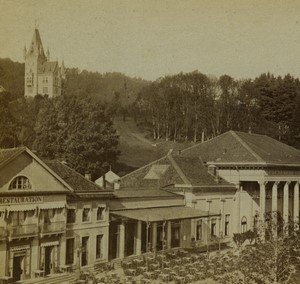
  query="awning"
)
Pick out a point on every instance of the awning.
point(162, 213)
point(22, 207)
point(50, 244)
point(52, 205)
point(19, 248)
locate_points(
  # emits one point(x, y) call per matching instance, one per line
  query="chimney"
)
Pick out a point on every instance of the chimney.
point(104, 181)
point(88, 176)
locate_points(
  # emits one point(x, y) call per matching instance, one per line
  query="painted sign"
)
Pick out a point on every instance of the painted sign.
point(21, 200)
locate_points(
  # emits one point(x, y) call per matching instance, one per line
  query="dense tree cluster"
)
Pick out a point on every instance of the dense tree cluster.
point(12, 76)
point(75, 129)
point(194, 106)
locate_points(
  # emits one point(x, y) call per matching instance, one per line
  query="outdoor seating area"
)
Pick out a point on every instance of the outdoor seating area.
point(174, 267)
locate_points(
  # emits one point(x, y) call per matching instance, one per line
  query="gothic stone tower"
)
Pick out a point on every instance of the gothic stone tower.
point(42, 76)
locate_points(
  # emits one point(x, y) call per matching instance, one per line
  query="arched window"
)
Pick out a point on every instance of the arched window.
point(244, 224)
point(20, 183)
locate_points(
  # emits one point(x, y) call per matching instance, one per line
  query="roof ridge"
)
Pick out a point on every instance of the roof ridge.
point(200, 143)
point(244, 144)
point(145, 166)
point(179, 171)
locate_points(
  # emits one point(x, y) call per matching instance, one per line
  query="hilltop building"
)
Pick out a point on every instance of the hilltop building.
point(42, 76)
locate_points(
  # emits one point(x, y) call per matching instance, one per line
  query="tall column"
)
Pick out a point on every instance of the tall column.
point(286, 203)
point(262, 208)
point(138, 238)
point(121, 251)
point(169, 234)
point(262, 200)
point(154, 236)
point(296, 206)
point(274, 196)
point(274, 207)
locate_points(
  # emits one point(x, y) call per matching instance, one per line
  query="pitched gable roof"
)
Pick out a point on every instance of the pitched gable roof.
point(235, 147)
point(7, 155)
point(49, 67)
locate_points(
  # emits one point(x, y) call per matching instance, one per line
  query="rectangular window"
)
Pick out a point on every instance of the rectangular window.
point(71, 216)
point(86, 214)
point(98, 246)
point(100, 213)
point(226, 230)
point(213, 227)
point(70, 251)
point(199, 230)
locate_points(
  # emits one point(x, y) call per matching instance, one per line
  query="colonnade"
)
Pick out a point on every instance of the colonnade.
point(285, 208)
point(151, 237)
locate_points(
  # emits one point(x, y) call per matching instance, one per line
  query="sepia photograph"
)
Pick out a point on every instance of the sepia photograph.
point(149, 141)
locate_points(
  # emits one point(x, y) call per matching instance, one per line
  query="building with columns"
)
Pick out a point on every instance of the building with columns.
point(150, 220)
point(239, 175)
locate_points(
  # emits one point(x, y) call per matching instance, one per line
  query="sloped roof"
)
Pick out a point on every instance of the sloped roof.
point(235, 147)
point(36, 43)
point(176, 170)
point(78, 182)
point(7, 155)
point(136, 179)
point(196, 172)
point(49, 67)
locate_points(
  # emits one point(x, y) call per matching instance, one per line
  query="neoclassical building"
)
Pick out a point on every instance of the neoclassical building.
point(42, 76)
point(239, 175)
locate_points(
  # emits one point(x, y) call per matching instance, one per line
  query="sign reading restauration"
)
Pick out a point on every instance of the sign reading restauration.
point(21, 200)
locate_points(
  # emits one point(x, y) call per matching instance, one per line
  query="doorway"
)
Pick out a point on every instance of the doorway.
point(48, 260)
point(17, 267)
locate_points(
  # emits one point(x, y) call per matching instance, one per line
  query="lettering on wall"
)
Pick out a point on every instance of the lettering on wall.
point(21, 200)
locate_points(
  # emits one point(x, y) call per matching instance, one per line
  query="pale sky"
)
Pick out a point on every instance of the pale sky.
point(152, 38)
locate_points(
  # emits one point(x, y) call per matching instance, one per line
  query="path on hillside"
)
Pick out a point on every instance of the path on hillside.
point(136, 150)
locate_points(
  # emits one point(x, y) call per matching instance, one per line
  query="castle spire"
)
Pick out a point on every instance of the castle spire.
point(36, 44)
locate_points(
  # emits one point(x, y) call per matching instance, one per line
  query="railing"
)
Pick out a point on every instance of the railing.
point(52, 228)
point(22, 230)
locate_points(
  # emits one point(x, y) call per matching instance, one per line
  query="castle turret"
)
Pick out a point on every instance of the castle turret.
point(63, 70)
